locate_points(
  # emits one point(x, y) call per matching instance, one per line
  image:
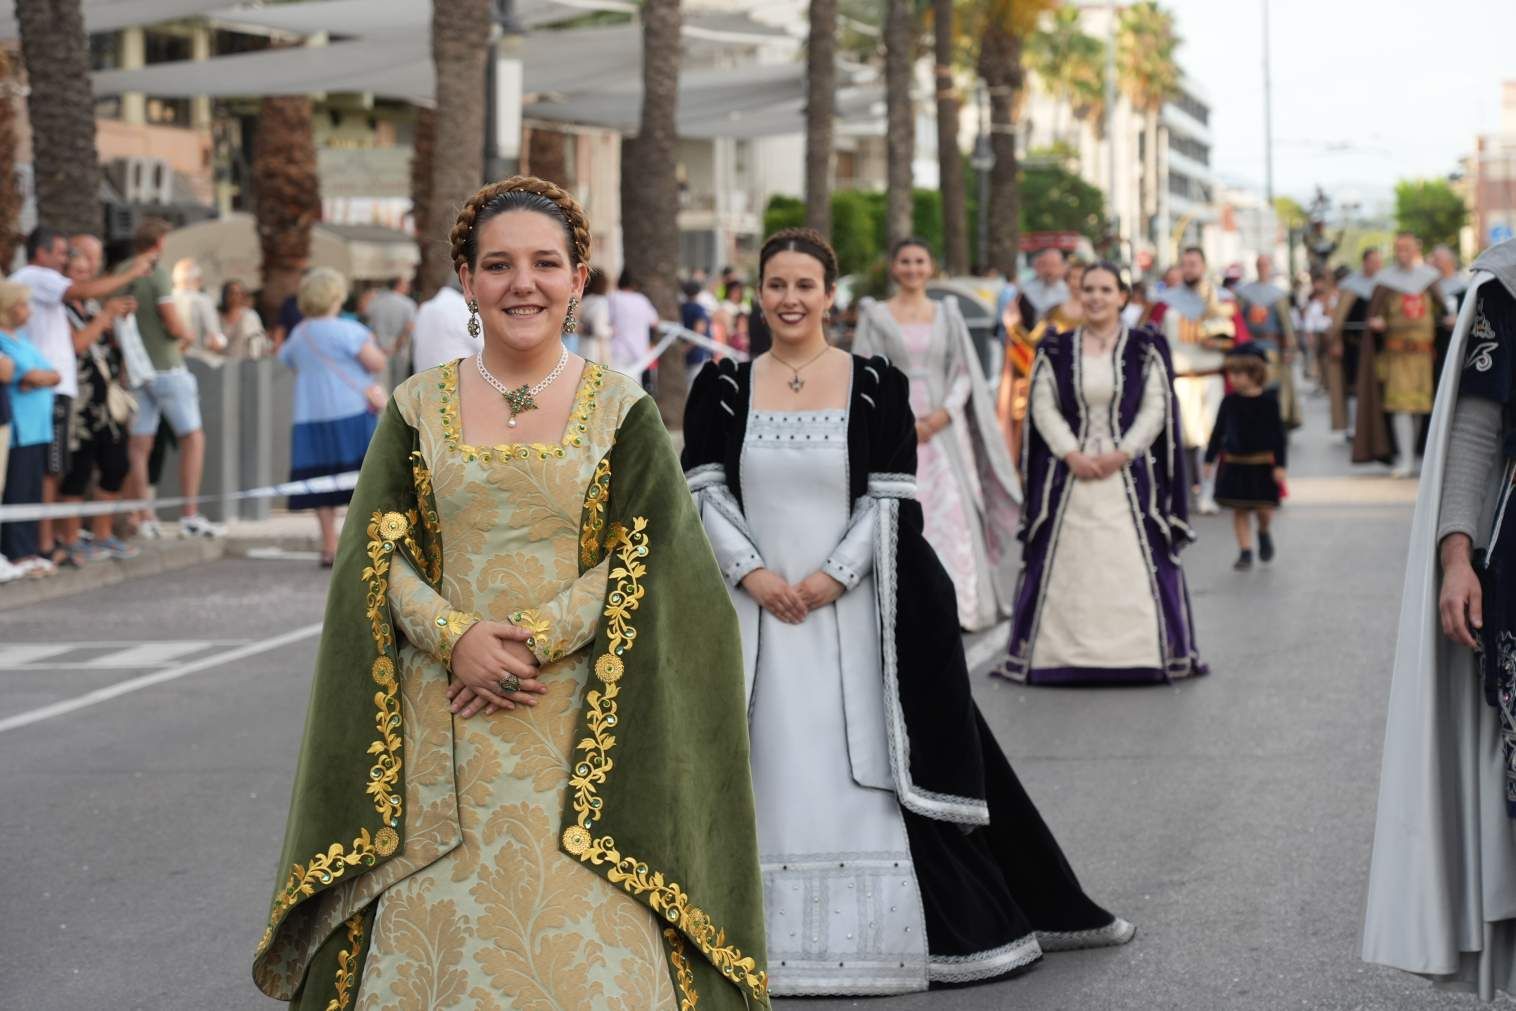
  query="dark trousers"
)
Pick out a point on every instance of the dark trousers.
point(23, 486)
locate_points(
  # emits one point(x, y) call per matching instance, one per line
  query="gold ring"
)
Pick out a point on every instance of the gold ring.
point(510, 684)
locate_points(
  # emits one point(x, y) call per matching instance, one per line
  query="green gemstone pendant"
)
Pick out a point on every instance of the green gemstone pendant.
point(519, 401)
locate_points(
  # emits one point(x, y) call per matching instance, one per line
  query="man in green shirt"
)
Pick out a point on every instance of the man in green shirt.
point(171, 393)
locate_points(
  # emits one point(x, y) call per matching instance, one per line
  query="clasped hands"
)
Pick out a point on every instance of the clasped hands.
point(483, 656)
point(1096, 468)
point(791, 604)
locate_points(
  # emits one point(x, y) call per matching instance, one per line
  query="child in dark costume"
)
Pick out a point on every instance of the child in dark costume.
point(1249, 442)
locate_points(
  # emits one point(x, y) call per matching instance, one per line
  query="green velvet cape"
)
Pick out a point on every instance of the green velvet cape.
point(659, 799)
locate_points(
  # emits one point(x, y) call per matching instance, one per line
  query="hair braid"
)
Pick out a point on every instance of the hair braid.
point(483, 205)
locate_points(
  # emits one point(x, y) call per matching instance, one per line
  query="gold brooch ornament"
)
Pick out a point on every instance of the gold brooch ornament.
point(393, 526)
point(609, 668)
point(383, 670)
point(575, 840)
point(386, 841)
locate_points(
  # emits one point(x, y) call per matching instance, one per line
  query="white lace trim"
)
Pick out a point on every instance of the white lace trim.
point(984, 964)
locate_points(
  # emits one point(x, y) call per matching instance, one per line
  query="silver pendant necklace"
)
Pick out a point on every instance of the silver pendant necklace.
point(796, 384)
point(523, 398)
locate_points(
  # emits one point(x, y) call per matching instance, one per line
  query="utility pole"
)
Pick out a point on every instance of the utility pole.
point(1268, 123)
point(1110, 120)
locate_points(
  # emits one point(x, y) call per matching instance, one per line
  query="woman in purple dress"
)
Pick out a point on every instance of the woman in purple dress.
point(1101, 597)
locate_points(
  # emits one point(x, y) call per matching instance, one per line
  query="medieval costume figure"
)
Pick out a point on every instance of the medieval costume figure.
point(1249, 451)
point(898, 848)
point(1454, 284)
point(1349, 325)
point(1101, 596)
point(1200, 327)
point(1395, 368)
point(971, 513)
point(551, 849)
point(1023, 335)
point(1442, 883)
point(1266, 307)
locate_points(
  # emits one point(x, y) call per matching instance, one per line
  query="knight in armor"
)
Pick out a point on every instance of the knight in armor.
point(1395, 366)
point(1266, 307)
point(1201, 328)
point(1353, 294)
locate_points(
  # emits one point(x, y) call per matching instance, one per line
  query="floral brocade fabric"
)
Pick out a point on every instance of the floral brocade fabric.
point(504, 919)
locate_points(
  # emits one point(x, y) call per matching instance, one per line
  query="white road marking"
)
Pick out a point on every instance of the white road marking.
point(147, 655)
point(157, 678)
point(23, 654)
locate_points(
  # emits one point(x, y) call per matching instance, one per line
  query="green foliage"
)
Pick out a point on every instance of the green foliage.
point(858, 224)
point(1053, 199)
point(783, 212)
point(1430, 210)
point(1290, 213)
point(1146, 66)
point(1070, 62)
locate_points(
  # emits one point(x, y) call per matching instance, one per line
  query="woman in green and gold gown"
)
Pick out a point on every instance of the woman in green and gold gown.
point(524, 782)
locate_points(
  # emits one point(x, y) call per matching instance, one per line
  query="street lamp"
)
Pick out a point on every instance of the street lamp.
point(503, 92)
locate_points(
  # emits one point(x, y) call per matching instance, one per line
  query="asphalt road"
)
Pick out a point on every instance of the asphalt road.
point(148, 734)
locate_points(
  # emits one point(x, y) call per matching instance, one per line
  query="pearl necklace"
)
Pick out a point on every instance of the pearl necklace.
point(523, 398)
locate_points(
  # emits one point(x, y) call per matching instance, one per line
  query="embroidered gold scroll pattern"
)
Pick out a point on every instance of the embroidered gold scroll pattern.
point(384, 530)
point(426, 506)
point(574, 434)
point(541, 641)
point(683, 974)
point(666, 898)
point(321, 871)
point(592, 528)
point(347, 966)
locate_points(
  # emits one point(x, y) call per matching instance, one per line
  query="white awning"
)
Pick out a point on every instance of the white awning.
point(109, 15)
point(366, 17)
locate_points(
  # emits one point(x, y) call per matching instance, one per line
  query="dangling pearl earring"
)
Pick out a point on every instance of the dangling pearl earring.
point(473, 319)
point(570, 324)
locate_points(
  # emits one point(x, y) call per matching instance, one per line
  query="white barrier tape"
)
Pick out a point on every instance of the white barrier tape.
point(672, 332)
point(310, 486)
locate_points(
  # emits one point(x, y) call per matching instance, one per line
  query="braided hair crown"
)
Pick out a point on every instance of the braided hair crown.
point(520, 193)
point(801, 240)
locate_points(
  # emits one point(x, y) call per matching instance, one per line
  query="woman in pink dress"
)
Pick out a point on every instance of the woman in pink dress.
point(969, 487)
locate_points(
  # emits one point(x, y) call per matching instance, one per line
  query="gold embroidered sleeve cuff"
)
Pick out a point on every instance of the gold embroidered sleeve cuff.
point(450, 628)
point(543, 644)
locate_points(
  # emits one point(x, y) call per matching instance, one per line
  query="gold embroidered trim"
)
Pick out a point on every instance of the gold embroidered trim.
point(425, 505)
point(347, 965)
point(451, 625)
point(592, 530)
point(688, 996)
point(383, 530)
point(542, 644)
point(666, 898)
point(574, 434)
point(322, 870)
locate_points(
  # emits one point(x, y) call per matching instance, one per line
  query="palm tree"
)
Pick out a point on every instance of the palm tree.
point(650, 190)
point(428, 238)
point(1002, 27)
point(820, 110)
point(900, 122)
point(460, 50)
point(1149, 76)
point(10, 190)
point(1071, 65)
point(955, 233)
point(286, 194)
point(61, 108)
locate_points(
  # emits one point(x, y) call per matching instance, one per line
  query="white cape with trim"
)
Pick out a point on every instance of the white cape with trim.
point(1442, 880)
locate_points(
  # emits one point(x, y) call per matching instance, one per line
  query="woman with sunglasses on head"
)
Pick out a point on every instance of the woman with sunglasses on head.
point(525, 766)
point(971, 514)
point(898, 849)
point(1101, 598)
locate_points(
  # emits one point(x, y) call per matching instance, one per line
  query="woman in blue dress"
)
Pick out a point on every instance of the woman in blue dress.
point(337, 398)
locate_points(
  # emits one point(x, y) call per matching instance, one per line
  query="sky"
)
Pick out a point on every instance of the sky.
point(1366, 92)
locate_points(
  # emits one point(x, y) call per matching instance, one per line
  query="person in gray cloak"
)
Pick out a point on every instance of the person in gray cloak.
point(970, 486)
point(1442, 880)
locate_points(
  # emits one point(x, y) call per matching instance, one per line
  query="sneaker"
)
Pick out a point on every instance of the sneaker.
point(36, 567)
point(199, 526)
point(1208, 506)
point(115, 547)
point(1265, 547)
point(8, 572)
point(1244, 562)
point(150, 530)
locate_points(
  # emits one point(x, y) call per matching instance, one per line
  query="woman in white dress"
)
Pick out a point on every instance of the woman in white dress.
point(960, 455)
point(1101, 598)
point(898, 850)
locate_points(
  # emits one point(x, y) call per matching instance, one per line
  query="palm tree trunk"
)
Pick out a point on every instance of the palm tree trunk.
point(900, 130)
point(61, 108)
point(428, 240)
point(1000, 66)
point(955, 232)
point(820, 110)
point(286, 195)
point(1150, 174)
point(10, 189)
point(460, 49)
point(650, 191)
